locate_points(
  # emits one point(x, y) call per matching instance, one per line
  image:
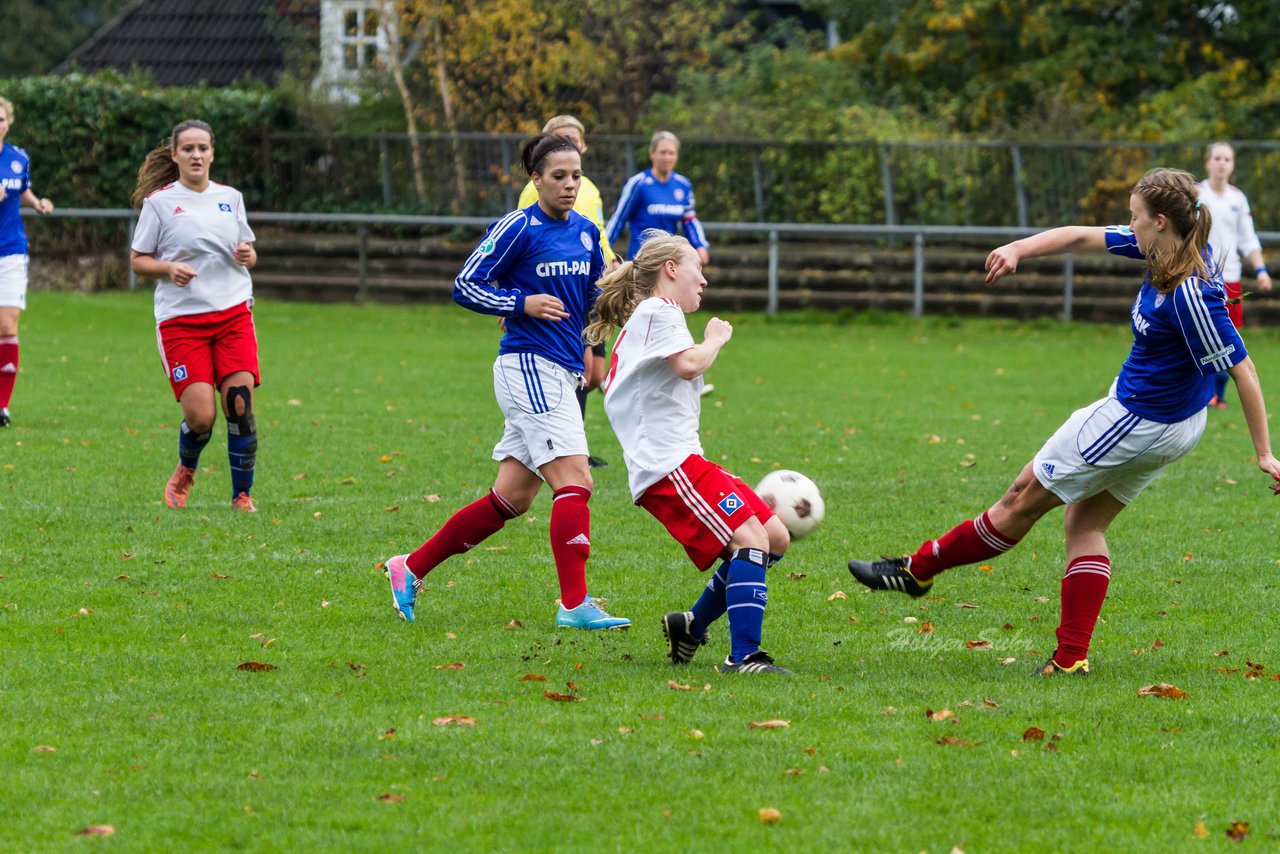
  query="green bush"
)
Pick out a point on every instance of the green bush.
point(87, 134)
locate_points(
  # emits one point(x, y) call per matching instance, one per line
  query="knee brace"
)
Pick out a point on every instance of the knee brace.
point(240, 421)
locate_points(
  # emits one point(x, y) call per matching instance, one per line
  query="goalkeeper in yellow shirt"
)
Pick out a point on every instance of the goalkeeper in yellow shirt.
point(590, 205)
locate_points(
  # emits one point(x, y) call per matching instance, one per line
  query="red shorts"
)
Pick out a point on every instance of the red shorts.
point(701, 505)
point(1235, 309)
point(207, 348)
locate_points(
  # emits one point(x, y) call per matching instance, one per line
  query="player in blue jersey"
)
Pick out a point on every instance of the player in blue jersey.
point(15, 191)
point(1108, 452)
point(658, 198)
point(537, 269)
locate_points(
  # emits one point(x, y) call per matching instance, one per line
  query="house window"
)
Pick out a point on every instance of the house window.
point(360, 40)
point(353, 40)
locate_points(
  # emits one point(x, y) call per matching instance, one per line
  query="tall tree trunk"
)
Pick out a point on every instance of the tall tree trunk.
point(446, 101)
point(395, 61)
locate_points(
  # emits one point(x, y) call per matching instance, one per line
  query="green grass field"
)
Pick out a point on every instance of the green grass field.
point(123, 624)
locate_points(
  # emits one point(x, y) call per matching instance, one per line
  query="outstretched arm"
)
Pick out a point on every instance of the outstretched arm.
point(1255, 415)
point(1069, 238)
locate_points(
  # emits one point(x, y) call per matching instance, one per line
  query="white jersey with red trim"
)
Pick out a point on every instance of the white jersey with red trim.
point(202, 230)
point(1232, 234)
point(653, 411)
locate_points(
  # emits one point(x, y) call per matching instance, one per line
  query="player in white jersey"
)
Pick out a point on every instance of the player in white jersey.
point(1110, 451)
point(193, 236)
point(1232, 237)
point(15, 192)
point(652, 397)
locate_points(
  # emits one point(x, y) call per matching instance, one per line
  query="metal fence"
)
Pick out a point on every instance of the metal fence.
point(999, 184)
point(771, 233)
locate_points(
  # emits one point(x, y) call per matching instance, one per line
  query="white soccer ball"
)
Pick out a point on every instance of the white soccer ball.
point(794, 499)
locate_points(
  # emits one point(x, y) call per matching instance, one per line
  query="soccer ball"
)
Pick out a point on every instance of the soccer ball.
point(794, 499)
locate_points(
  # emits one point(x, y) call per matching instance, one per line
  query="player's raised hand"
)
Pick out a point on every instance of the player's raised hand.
point(718, 330)
point(545, 307)
point(1001, 262)
point(181, 274)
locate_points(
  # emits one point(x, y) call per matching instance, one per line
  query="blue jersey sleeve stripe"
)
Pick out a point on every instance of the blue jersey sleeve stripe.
point(471, 287)
point(622, 213)
point(1209, 339)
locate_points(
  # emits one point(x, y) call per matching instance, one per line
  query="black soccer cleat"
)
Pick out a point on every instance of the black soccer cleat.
point(889, 573)
point(757, 662)
point(5, 419)
point(596, 463)
point(682, 643)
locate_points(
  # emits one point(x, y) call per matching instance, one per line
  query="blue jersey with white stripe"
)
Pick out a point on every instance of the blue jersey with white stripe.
point(15, 177)
point(1180, 340)
point(648, 203)
point(526, 253)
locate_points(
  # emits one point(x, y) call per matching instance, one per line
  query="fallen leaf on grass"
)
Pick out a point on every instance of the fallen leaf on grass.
point(940, 715)
point(387, 797)
point(1033, 733)
point(796, 576)
point(968, 605)
point(514, 624)
point(220, 576)
point(774, 724)
point(1157, 644)
point(1164, 689)
point(990, 704)
point(393, 508)
point(926, 628)
point(561, 698)
point(986, 567)
point(978, 644)
point(127, 555)
point(1238, 831)
point(676, 686)
point(1220, 653)
point(124, 578)
point(769, 815)
point(793, 772)
point(533, 677)
point(456, 720)
point(45, 748)
point(839, 594)
point(958, 742)
point(457, 665)
point(1007, 660)
point(354, 666)
point(389, 735)
point(695, 734)
point(256, 666)
point(108, 830)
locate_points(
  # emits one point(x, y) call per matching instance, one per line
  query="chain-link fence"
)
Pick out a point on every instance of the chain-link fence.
point(906, 183)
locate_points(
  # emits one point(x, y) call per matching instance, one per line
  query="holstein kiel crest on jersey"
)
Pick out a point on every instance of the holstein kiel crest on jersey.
point(730, 504)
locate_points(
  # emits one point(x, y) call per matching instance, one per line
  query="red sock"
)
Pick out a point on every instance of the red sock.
point(8, 367)
point(571, 542)
point(465, 530)
point(1083, 589)
point(968, 542)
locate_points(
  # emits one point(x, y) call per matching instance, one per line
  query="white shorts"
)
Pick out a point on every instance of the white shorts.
point(537, 397)
point(1106, 448)
point(13, 281)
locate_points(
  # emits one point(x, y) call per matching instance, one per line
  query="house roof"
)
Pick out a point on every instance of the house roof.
point(194, 42)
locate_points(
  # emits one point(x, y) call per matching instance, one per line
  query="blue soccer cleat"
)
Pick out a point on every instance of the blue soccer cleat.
point(589, 615)
point(404, 586)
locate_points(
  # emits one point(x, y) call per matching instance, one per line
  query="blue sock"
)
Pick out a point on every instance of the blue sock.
point(242, 452)
point(746, 595)
point(710, 605)
point(190, 445)
point(1220, 384)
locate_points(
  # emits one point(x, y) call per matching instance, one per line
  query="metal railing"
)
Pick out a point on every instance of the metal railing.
point(933, 182)
point(772, 233)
